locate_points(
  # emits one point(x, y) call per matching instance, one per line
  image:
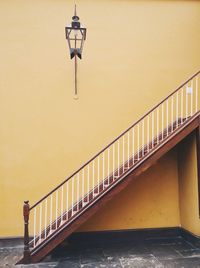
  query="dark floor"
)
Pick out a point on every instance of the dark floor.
point(157, 252)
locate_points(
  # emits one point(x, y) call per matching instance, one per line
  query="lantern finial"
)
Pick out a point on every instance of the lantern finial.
point(75, 17)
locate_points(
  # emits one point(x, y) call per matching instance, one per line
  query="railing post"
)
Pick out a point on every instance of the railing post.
point(26, 232)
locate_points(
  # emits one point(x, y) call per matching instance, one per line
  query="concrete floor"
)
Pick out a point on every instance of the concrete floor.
point(159, 253)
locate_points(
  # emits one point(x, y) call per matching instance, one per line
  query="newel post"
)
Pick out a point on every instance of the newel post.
point(26, 232)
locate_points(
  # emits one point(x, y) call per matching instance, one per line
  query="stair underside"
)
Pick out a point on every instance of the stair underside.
point(142, 161)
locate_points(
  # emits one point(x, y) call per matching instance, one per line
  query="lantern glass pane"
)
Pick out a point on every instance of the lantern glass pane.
point(75, 38)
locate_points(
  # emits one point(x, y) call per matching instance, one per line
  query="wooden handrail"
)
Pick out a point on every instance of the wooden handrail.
point(124, 132)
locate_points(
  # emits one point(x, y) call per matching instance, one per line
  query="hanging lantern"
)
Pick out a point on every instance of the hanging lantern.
point(75, 35)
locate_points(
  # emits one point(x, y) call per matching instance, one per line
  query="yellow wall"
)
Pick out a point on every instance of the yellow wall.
point(188, 185)
point(135, 54)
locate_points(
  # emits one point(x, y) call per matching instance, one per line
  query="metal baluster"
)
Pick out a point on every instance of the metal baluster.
point(123, 151)
point(83, 185)
point(34, 226)
point(186, 102)
point(172, 114)
point(118, 156)
point(108, 165)
point(45, 223)
point(128, 149)
point(72, 203)
point(143, 137)
point(196, 94)
point(177, 109)
point(181, 106)
point(88, 183)
point(113, 161)
point(51, 211)
point(61, 205)
point(93, 175)
point(103, 170)
point(157, 125)
point(67, 201)
point(138, 153)
point(98, 175)
point(191, 112)
point(162, 123)
point(167, 107)
point(133, 135)
point(152, 130)
point(56, 209)
point(148, 136)
point(77, 191)
point(40, 221)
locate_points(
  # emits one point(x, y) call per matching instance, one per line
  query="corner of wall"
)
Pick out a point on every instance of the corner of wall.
point(188, 185)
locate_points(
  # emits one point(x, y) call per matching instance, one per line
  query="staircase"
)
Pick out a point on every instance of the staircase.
point(58, 214)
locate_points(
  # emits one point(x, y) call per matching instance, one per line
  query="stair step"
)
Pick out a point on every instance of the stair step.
point(125, 169)
point(73, 213)
point(39, 242)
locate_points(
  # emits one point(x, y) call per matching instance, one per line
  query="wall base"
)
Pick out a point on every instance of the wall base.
point(102, 237)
